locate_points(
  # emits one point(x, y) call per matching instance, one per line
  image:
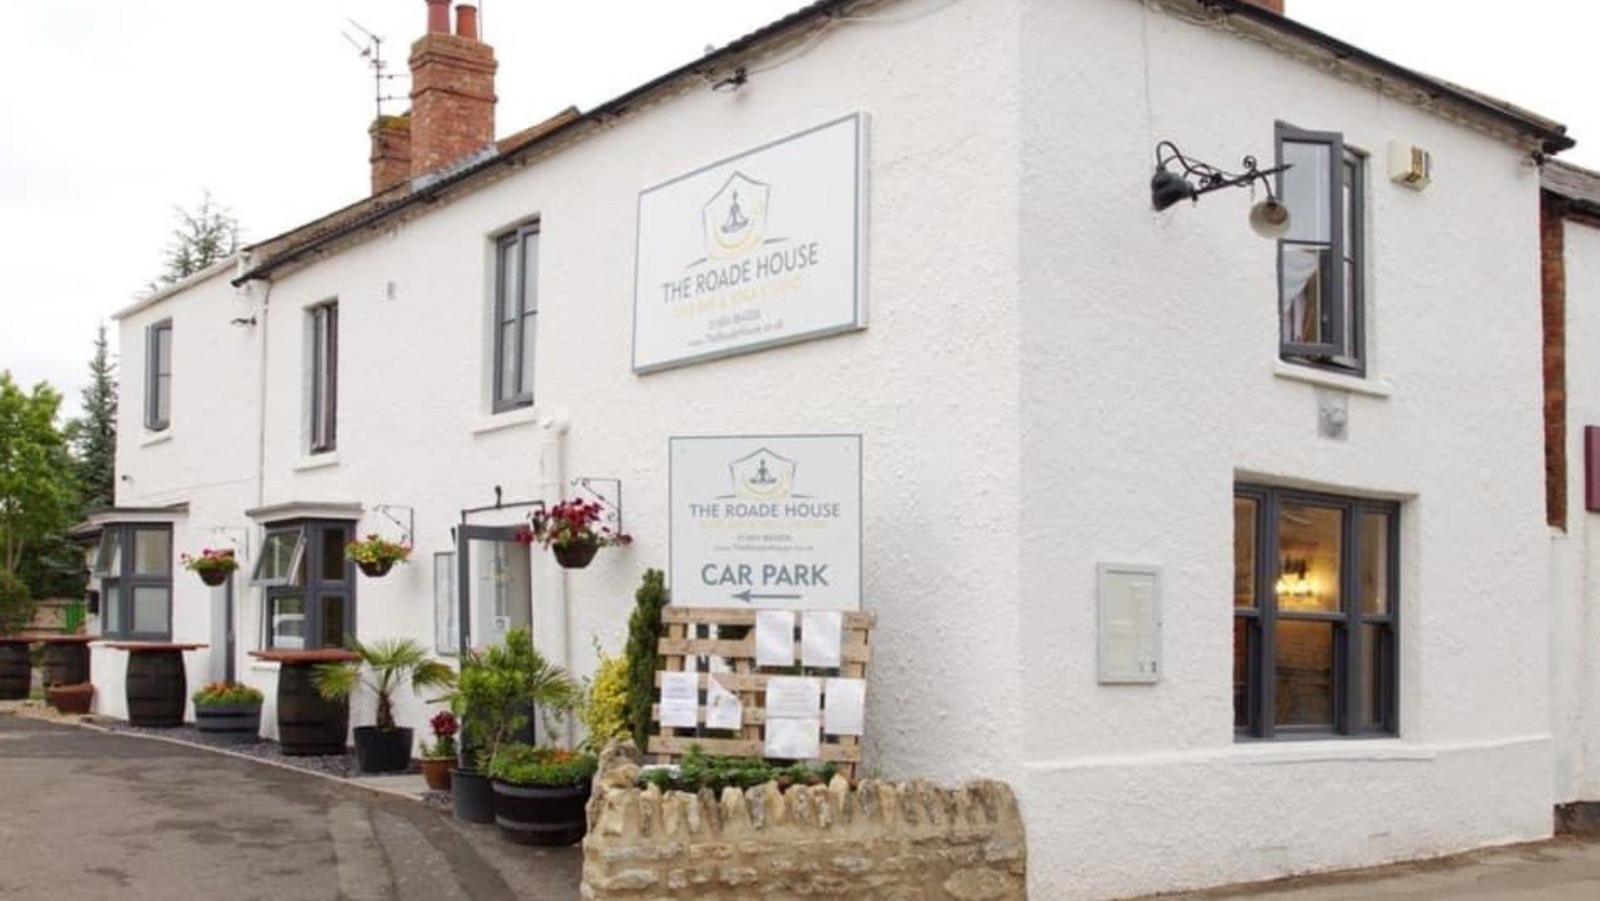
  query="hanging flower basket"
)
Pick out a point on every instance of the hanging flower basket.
point(376, 556)
point(574, 531)
point(212, 566)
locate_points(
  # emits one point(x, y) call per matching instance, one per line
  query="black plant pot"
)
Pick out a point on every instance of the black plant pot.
point(537, 815)
point(473, 796)
point(214, 577)
point(239, 723)
point(377, 569)
point(575, 556)
point(383, 750)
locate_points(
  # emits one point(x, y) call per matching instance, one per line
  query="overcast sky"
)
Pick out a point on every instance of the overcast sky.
point(113, 111)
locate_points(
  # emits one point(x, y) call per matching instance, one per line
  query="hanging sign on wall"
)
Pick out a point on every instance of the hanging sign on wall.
point(766, 521)
point(760, 249)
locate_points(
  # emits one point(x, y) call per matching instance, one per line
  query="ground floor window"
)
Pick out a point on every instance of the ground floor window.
point(309, 585)
point(134, 566)
point(1315, 618)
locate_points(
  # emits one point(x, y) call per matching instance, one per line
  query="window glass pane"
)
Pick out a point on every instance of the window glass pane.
point(1304, 281)
point(152, 552)
point(1303, 670)
point(333, 621)
point(1372, 674)
point(286, 621)
point(446, 608)
point(150, 606)
point(1372, 581)
point(164, 350)
point(530, 272)
point(508, 361)
point(1309, 566)
point(509, 309)
point(108, 562)
point(333, 562)
point(1244, 551)
point(1305, 191)
point(1348, 199)
point(1243, 651)
point(527, 354)
point(111, 609)
point(163, 409)
point(279, 551)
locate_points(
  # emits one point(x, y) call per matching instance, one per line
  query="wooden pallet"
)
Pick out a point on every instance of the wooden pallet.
point(702, 632)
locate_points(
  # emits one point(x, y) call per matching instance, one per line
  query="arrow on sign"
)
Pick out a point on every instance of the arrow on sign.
point(747, 595)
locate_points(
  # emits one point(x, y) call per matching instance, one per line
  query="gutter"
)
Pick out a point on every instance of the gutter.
point(1552, 135)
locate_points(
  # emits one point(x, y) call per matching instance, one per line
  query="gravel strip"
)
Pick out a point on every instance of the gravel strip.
point(342, 766)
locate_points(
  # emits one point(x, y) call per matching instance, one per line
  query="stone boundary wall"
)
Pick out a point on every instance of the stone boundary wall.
point(907, 841)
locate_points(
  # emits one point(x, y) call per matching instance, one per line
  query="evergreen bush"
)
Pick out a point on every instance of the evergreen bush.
point(644, 629)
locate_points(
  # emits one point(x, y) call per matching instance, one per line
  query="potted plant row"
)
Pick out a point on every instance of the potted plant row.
point(574, 531)
point(228, 711)
point(383, 668)
point(213, 566)
point(376, 555)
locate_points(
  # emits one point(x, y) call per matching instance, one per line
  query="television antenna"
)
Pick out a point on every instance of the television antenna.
point(371, 50)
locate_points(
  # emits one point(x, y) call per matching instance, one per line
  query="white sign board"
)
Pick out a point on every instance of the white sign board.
point(760, 249)
point(766, 521)
point(1130, 623)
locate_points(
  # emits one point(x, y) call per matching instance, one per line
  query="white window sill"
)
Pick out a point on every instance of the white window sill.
point(151, 439)
point(1351, 383)
point(507, 420)
point(317, 461)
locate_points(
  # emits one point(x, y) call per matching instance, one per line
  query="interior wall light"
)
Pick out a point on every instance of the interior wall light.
point(1269, 218)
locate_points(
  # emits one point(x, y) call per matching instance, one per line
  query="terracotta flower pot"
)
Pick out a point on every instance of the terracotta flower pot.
point(575, 556)
point(214, 577)
point(436, 770)
point(71, 698)
point(376, 569)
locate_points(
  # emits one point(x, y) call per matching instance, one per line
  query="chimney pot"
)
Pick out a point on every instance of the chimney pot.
point(438, 16)
point(466, 21)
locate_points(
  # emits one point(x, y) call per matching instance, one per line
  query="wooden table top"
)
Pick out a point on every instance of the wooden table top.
point(136, 647)
point(62, 639)
point(321, 655)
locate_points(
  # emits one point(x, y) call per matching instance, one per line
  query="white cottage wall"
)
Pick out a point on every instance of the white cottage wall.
point(206, 458)
point(1151, 385)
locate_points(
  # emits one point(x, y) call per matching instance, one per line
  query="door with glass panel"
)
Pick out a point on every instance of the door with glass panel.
point(495, 584)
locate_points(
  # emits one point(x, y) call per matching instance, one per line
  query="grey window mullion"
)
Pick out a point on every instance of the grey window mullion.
point(1266, 688)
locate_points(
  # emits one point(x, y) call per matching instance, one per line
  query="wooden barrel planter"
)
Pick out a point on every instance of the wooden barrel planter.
point(237, 723)
point(16, 669)
point(157, 685)
point(66, 659)
point(535, 815)
point(308, 725)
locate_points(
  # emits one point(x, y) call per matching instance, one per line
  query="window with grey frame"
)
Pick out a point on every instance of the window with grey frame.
point(309, 587)
point(1321, 293)
point(158, 376)
point(516, 303)
point(134, 567)
point(324, 406)
point(1315, 614)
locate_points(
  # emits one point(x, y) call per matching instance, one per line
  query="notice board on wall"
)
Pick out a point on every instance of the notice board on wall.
point(1129, 623)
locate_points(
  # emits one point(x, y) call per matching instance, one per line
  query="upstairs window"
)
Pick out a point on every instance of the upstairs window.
point(1320, 261)
point(324, 406)
point(516, 303)
point(158, 376)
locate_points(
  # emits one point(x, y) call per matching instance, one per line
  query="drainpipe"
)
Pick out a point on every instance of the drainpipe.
point(261, 399)
point(552, 578)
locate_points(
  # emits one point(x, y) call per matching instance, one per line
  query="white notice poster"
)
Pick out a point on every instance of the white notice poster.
point(757, 250)
point(723, 710)
point(794, 697)
point(846, 710)
point(680, 700)
point(774, 638)
point(793, 739)
point(820, 634)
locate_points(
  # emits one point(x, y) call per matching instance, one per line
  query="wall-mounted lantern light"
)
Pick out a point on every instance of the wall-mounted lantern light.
point(1269, 218)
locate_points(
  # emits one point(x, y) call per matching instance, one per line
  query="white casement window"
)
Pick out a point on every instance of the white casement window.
point(1321, 301)
point(158, 376)
point(324, 395)
point(516, 303)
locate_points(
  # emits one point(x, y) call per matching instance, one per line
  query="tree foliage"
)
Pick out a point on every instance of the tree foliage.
point(16, 604)
point(206, 234)
point(644, 630)
point(93, 435)
point(38, 494)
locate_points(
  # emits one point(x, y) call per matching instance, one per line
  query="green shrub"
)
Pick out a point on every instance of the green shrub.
point(16, 604)
point(522, 764)
point(644, 630)
point(226, 694)
point(605, 703)
point(496, 688)
point(697, 770)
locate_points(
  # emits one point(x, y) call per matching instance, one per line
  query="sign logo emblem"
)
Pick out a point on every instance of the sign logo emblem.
point(735, 218)
point(763, 474)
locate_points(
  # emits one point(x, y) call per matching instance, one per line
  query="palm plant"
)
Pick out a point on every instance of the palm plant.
point(384, 667)
point(499, 687)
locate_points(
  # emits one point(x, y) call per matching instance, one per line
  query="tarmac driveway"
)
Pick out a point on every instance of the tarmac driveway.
point(88, 815)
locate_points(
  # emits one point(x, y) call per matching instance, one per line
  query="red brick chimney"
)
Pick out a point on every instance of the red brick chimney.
point(391, 151)
point(452, 91)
